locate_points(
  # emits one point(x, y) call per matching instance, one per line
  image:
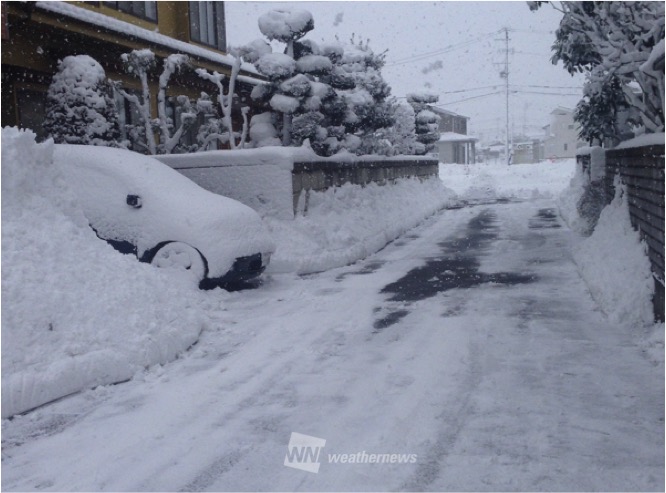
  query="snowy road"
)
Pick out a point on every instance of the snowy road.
point(471, 342)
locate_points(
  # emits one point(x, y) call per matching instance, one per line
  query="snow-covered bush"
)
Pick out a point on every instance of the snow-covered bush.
point(403, 133)
point(79, 104)
point(620, 48)
point(101, 316)
point(427, 122)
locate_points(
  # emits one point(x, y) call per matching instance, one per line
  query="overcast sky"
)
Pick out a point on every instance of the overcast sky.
point(453, 49)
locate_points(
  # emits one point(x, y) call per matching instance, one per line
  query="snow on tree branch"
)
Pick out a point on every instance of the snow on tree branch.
point(614, 42)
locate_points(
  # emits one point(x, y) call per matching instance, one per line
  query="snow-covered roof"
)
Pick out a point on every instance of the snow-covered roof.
point(561, 110)
point(442, 111)
point(131, 30)
point(454, 137)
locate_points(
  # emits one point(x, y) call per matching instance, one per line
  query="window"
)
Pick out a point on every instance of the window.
point(207, 24)
point(566, 147)
point(32, 111)
point(571, 127)
point(144, 10)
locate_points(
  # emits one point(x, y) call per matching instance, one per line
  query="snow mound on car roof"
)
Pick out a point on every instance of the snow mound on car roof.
point(76, 314)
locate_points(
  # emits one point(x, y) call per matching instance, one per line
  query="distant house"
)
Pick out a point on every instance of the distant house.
point(528, 150)
point(561, 135)
point(454, 145)
point(35, 35)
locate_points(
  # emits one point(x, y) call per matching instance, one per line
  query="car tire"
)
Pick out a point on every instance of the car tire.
point(181, 256)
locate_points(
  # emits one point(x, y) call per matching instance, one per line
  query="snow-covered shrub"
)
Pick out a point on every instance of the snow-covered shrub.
point(427, 122)
point(620, 48)
point(79, 104)
point(403, 133)
point(76, 313)
point(262, 130)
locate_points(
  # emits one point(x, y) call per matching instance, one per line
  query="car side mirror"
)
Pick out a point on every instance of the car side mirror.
point(134, 201)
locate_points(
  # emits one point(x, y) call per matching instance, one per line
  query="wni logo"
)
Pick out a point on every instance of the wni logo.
point(304, 452)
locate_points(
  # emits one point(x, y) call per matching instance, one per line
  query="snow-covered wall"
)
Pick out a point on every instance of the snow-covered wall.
point(258, 178)
point(276, 181)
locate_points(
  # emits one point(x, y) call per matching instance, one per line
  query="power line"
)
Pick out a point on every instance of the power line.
point(446, 49)
point(449, 103)
point(547, 87)
point(518, 91)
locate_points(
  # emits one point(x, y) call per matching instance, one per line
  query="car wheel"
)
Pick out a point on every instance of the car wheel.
point(176, 255)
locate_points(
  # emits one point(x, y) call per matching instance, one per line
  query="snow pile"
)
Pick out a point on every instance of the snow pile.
point(615, 266)
point(488, 181)
point(346, 224)
point(76, 314)
point(568, 203)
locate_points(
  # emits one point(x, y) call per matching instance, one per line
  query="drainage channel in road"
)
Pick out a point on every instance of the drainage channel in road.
point(457, 268)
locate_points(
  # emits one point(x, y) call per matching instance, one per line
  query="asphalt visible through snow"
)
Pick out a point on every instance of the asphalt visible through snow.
point(469, 349)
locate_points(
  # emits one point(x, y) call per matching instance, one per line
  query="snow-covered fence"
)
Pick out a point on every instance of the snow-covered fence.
point(276, 181)
point(641, 168)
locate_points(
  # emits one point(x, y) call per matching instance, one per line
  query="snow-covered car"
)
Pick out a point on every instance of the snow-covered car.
point(143, 207)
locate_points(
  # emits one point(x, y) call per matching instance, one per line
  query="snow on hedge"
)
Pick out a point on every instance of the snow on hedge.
point(346, 224)
point(76, 313)
point(615, 266)
point(286, 25)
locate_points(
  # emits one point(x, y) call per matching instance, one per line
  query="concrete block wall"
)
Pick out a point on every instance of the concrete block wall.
point(319, 176)
point(277, 181)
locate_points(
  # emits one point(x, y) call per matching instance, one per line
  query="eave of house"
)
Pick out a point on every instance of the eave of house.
point(107, 28)
point(454, 137)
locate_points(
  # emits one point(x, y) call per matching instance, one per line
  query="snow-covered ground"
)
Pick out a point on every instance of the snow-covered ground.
point(470, 343)
point(346, 224)
point(489, 181)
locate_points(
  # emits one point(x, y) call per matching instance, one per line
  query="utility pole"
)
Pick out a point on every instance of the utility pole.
point(506, 80)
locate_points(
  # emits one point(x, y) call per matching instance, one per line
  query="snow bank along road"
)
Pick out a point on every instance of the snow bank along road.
point(470, 347)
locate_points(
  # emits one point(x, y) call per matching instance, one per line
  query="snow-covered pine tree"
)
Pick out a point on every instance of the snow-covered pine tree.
point(357, 78)
point(286, 26)
point(79, 104)
point(427, 122)
point(614, 43)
